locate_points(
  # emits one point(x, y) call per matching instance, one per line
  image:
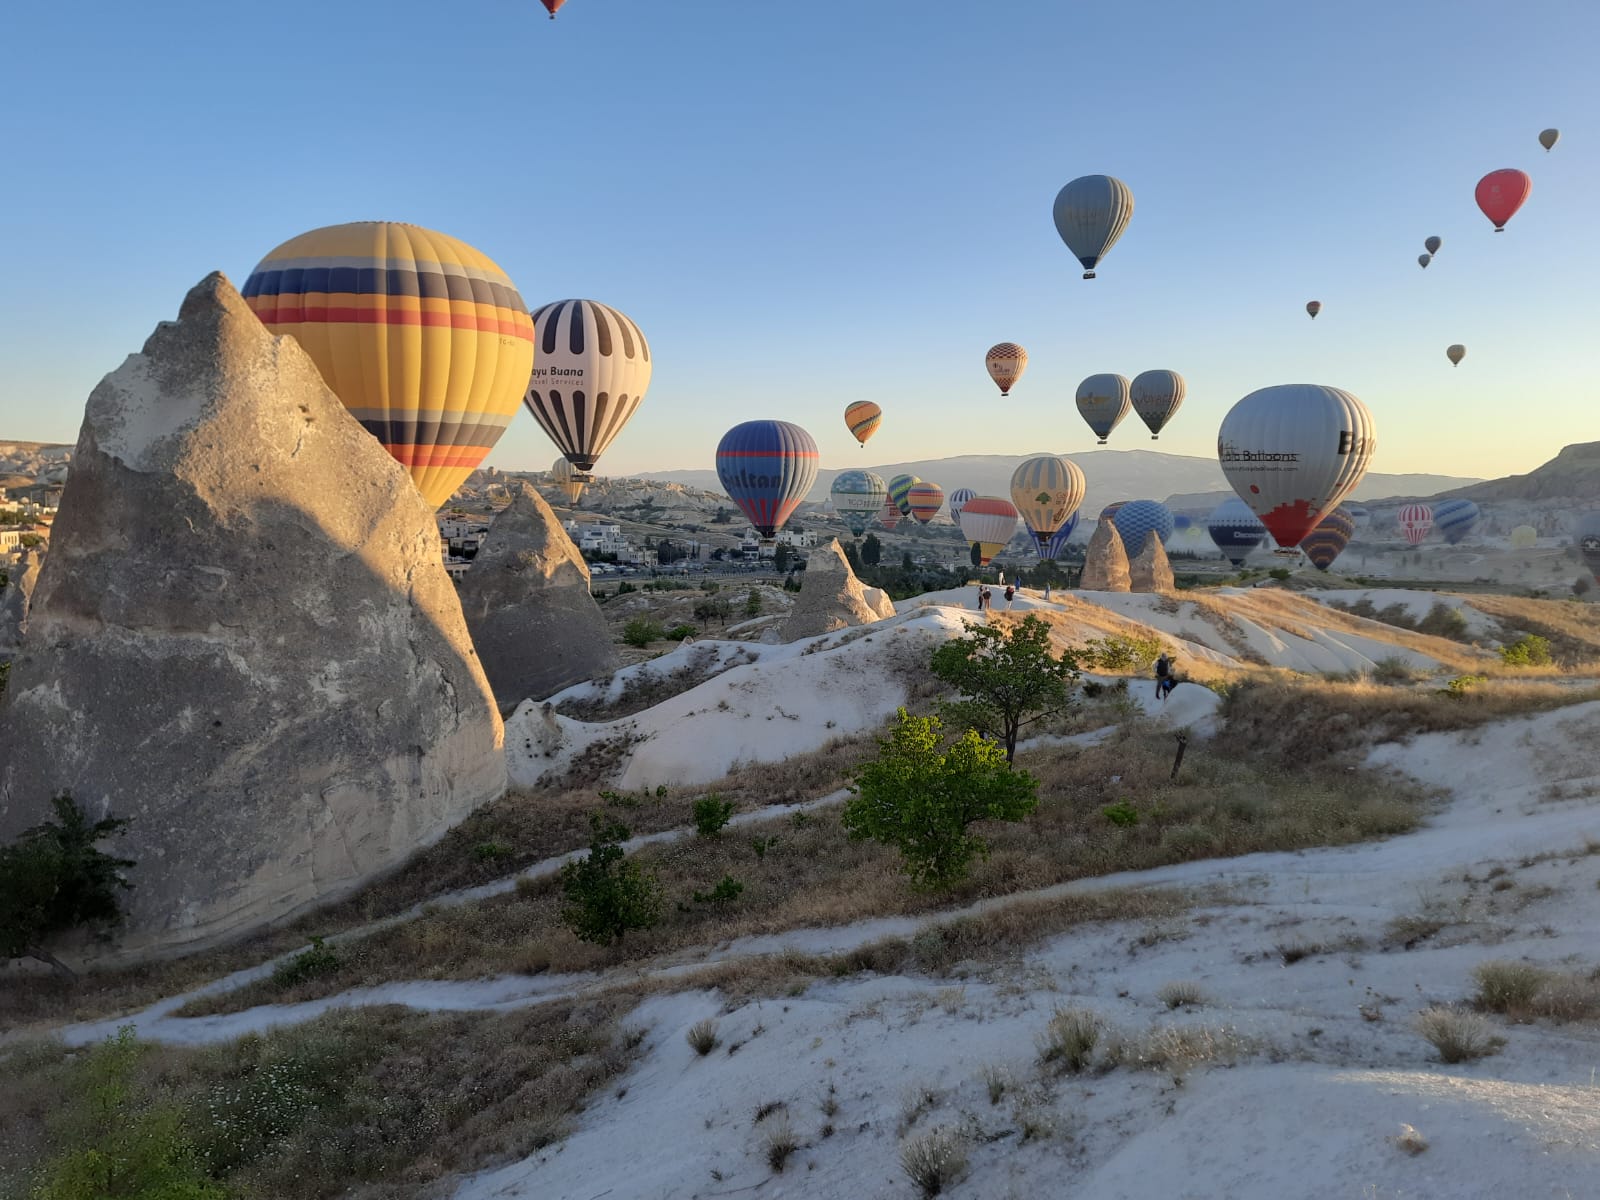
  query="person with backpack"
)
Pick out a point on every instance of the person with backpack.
point(1165, 680)
point(1011, 594)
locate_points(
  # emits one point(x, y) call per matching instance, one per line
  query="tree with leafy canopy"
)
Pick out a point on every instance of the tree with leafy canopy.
point(923, 797)
point(871, 550)
point(53, 879)
point(1006, 677)
point(783, 558)
point(606, 895)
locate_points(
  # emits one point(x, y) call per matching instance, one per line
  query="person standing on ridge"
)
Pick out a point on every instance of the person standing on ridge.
point(1164, 680)
point(1011, 594)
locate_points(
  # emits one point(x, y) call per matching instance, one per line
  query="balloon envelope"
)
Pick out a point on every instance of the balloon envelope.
point(767, 467)
point(1455, 354)
point(1432, 244)
point(566, 478)
point(423, 338)
point(550, 6)
point(1090, 214)
point(1501, 193)
point(1103, 400)
point(1415, 522)
point(1006, 363)
point(1137, 519)
point(1328, 540)
point(862, 419)
point(1358, 514)
point(1293, 452)
point(1549, 137)
point(1524, 537)
point(1050, 547)
point(900, 492)
point(925, 499)
point(1046, 490)
point(590, 377)
point(1589, 543)
point(988, 522)
point(958, 500)
point(889, 514)
point(857, 496)
point(1423, 260)
point(1235, 530)
point(1156, 397)
point(1313, 307)
point(1455, 519)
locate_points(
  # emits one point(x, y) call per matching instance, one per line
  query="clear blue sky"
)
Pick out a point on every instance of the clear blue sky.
point(807, 204)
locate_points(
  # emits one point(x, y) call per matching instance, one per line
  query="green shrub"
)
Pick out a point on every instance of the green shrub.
point(1119, 653)
point(711, 813)
point(1444, 620)
point(1508, 987)
point(491, 851)
point(1462, 684)
point(1279, 573)
point(1529, 650)
point(624, 587)
point(319, 959)
point(1393, 670)
point(726, 892)
point(678, 632)
point(1121, 814)
point(606, 895)
point(641, 631)
point(752, 604)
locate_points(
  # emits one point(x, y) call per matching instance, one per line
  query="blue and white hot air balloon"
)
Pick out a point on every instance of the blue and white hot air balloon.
point(1235, 529)
point(767, 467)
point(1137, 519)
point(1455, 519)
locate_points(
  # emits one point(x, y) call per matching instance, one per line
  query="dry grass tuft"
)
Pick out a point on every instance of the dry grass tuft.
point(1179, 1048)
point(702, 1037)
point(1068, 1041)
point(779, 1142)
point(1409, 1140)
point(1525, 992)
point(934, 1160)
point(1458, 1036)
point(996, 1080)
point(1181, 993)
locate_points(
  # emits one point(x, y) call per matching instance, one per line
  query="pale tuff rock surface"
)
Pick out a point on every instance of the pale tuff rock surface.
point(243, 639)
point(1151, 571)
point(535, 624)
point(1105, 567)
point(23, 575)
point(831, 597)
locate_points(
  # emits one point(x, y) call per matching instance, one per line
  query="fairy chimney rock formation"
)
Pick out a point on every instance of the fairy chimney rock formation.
point(244, 640)
point(526, 598)
point(831, 597)
point(21, 577)
point(1151, 571)
point(1105, 566)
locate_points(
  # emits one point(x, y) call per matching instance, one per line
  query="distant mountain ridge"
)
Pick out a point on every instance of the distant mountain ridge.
point(1573, 474)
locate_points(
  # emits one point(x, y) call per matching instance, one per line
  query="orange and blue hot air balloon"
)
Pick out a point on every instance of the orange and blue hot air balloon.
point(862, 419)
point(422, 338)
point(767, 467)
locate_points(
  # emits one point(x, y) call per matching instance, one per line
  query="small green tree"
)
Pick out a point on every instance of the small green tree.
point(711, 813)
point(1529, 650)
point(53, 878)
point(905, 562)
point(976, 555)
point(752, 604)
point(607, 895)
point(871, 549)
point(641, 631)
point(1007, 678)
point(923, 798)
point(783, 558)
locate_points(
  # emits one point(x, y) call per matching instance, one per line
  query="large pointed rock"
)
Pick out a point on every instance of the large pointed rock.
point(831, 597)
point(21, 577)
point(526, 598)
point(1105, 565)
point(1150, 571)
point(244, 640)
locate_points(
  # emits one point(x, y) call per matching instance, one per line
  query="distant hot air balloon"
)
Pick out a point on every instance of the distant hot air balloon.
point(1046, 490)
point(1589, 543)
point(767, 467)
point(1006, 363)
point(1358, 514)
point(988, 522)
point(1524, 537)
point(423, 338)
point(1050, 547)
point(889, 514)
point(1415, 522)
point(1455, 519)
point(1423, 260)
point(900, 492)
point(551, 6)
point(1501, 193)
point(1103, 400)
point(857, 496)
point(565, 477)
point(958, 498)
point(1548, 139)
point(1235, 530)
point(1090, 215)
point(1456, 353)
point(862, 419)
point(1328, 540)
point(1432, 244)
point(1313, 307)
point(925, 499)
point(1156, 397)
point(591, 374)
point(1293, 452)
point(1137, 519)
point(1109, 512)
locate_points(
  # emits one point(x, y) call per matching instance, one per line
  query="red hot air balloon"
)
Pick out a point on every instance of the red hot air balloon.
point(1501, 193)
point(550, 6)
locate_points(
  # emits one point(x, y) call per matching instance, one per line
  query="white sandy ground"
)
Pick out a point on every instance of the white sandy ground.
point(1310, 1113)
point(1416, 605)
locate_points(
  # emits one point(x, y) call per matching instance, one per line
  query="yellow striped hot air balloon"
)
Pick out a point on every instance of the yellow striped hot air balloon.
point(423, 338)
point(1046, 491)
point(863, 418)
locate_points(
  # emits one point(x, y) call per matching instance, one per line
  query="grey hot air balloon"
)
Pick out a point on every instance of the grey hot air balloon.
point(1156, 397)
point(1423, 260)
point(1432, 244)
point(1090, 215)
point(1548, 138)
point(1103, 400)
point(1455, 354)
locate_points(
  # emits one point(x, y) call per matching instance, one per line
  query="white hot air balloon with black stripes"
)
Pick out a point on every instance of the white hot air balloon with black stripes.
point(591, 366)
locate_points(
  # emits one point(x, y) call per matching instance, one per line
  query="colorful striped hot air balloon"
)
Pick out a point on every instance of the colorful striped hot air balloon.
point(1091, 213)
point(1455, 519)
point(889, 514)
point(1052, 545)
point(1006, 363)
point(1328, 540)
point(1103, 400)
point(1156, 397)
point(900, 492)
point(958, 499)
point(857, 496)
point(1137, 519)
point(1415, 522)
point(1046, 490)
point(1235, 530)
point(862, 419)
point(988, 522)
point(423, 338)
point(925, 499)
point(565, 477)
point(589, 379)
point(767, 467)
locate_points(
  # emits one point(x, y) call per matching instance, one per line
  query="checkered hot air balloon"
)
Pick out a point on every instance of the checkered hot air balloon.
point(1005, 364)
point(857, 496)
point(1137, 519)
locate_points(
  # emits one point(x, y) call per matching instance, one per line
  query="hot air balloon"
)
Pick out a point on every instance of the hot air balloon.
point(1328, 540)
point(857, 496)
point(550, 6)
point(1109, 512)
point(565, 477)
point(1156, 397)
point(1313, 307)
point(1455, 519)
point(889, 514)
point(925, 499)
point(1046, 491)
point(988, 522)
point(1235, 530)
point(900, 492)
point(767, 467)
point(1006, 363)
point(1455, 354)
point(1432, 244)
point(1137, 519)
point(420, 336)
point(1103, 400)
point(1415, 522)
point(862, 419)
point(1548, 139)
point(590, 377)
point(1501, 193)
point(1090, 215)
point(1423, 260)
point(1293, 452)
point(1358, 514)
point(1050, 547)
point(1589, 543)
point(958, 498)
point(1524, 537)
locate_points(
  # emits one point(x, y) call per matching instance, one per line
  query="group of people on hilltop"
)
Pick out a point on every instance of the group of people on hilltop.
point(986, 597)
